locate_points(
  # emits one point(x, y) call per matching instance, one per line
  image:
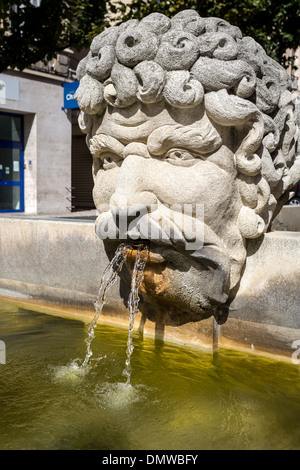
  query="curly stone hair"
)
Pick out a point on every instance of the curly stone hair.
point(187, 60)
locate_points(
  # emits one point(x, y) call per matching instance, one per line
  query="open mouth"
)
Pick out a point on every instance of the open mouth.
point(159, 257)
point(184, 284)
point(173, 264)
point(153, 258)
point(163, 249)
point(153, 255)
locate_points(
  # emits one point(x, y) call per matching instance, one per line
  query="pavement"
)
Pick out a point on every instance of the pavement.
point(90, 215)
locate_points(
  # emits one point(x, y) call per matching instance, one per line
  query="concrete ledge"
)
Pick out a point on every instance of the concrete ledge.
point(61, 254)
point(258, 338)
point(269, 291)
point(56, 266)
point(289, 218)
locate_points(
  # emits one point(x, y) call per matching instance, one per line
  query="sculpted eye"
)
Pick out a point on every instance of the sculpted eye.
point(111, 160)
point(180, 157)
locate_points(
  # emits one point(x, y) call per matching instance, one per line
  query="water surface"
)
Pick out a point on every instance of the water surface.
point(178, 399)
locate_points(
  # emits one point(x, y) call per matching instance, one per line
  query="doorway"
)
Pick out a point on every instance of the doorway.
point(82, 177)
point(11, 163)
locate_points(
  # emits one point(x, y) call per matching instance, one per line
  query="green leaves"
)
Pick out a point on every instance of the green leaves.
point(31, 33)
point(275, 25)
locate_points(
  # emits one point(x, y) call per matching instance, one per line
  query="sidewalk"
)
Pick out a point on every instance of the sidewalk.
point(90, 215)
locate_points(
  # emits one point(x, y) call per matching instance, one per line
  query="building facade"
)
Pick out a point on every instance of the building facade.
point(45, 166)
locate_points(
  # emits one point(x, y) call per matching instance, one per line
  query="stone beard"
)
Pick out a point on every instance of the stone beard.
point(187, 111)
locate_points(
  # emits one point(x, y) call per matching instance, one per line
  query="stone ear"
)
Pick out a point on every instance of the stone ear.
point(248, 162)
point(89, 96)
point(255, 194)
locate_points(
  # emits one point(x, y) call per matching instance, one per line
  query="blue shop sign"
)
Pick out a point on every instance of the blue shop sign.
point(69, 95)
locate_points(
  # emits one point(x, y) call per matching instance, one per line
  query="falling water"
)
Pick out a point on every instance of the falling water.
point(133, 303)
point(108, 279)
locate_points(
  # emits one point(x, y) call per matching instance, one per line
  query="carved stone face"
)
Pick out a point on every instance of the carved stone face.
point(170, 176)
point(186, 156)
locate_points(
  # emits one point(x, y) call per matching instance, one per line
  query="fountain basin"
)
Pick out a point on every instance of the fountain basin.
point(56, 265)
point(48, 403)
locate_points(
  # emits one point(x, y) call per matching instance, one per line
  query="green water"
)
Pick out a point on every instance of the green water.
point(179, 399)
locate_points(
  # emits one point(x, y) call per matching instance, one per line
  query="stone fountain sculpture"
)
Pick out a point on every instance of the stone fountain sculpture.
point(186, 112)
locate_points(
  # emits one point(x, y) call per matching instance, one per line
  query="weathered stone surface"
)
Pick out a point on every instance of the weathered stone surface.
point(58, 266)
point(194, 114)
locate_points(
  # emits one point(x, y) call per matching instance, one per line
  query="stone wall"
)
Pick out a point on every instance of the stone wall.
point(56, 266)
point(289, 218)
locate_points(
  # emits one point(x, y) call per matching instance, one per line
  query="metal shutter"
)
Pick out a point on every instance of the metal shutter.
point(82, 179)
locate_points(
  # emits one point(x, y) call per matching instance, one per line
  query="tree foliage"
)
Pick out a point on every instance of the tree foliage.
point(273, 24)
point(36, 30)
point(30, 33)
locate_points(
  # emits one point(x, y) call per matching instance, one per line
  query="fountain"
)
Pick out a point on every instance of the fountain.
point(194, 135)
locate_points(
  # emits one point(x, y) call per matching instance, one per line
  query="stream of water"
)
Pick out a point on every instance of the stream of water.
point(133, 303)
point(108, 279)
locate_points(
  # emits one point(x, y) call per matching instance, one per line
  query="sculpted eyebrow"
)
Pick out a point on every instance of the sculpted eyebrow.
point(103, 143)
point(199, 140)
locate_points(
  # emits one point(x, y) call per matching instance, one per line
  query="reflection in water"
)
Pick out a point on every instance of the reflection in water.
point(179, 398)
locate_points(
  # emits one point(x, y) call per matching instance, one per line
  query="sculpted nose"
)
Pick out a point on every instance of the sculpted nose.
point(133, 186)
point(124, 201)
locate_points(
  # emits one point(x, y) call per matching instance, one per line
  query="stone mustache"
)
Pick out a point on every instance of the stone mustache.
point(186, 112)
